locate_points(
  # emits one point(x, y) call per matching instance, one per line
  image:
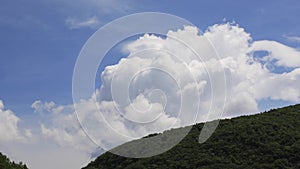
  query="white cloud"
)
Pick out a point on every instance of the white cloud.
point(40, 107)
point(282, 54)
point(279, 87)
point(60, 142)
point(292, 38)
point(9, 127)
point(75, 23)
point(44, 154)
point(65, 130)
point(79, 12)
point(1, 105)
point(184, 76)
point(177, 75)
point(62, 126)
point(242, 103)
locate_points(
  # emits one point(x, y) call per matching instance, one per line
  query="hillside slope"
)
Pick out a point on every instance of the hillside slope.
point(267, 140)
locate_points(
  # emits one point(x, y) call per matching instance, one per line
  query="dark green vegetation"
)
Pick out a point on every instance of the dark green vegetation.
point(270, 140)
point(5, 163)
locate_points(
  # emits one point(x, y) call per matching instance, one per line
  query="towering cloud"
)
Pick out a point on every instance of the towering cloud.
point(164, 82)
point(145, 92)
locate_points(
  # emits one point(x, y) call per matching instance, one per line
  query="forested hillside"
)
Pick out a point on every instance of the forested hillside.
point(5, 163)
point(269, 140)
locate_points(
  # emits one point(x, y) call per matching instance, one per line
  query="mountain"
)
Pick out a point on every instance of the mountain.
point(5, 163)
point(269, 140)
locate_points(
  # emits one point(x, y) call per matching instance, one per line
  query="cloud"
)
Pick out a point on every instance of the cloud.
point(249, 76)
point(44, 154)
point(160, 78)
point(279, 87)
point(38, 106)
point(292, 38)
point(65, 130)
point(9, 127)
point(164, 82)
point(57, 140)
point(280, 53)
point(62, 126)
point(75, 23)
point(90, 13)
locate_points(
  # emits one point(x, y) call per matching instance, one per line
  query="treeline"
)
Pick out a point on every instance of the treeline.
point(269, 140)
point(6, 163)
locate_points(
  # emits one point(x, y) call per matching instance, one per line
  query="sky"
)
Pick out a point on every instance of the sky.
point(40, 42)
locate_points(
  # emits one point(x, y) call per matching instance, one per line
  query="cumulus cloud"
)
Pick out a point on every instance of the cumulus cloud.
point(164, 83)
point(62, 126)
point(249, 79)
point(40, 107)
point(159, 74)
point(60, 142)
point(279, 87)
point(9, 127)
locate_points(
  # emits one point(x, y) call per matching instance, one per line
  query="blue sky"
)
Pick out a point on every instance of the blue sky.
point(39, 50)
point(41, 40)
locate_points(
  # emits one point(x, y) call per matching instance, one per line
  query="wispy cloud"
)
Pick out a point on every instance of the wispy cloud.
point(75, 23)
point(292, 38)
point(100, 10)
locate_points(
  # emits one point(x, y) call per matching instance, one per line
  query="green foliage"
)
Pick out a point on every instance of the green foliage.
point(270, 140)
point(5, 163)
